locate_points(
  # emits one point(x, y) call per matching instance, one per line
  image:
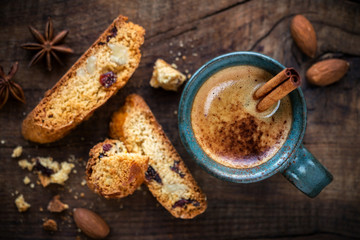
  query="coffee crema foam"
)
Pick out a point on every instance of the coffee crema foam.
point(226, 124)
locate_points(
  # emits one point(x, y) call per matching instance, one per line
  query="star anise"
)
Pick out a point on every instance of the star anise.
point(47, 44)
point(8, 86)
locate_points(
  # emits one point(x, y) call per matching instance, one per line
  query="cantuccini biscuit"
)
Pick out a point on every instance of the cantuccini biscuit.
point(167, 177)
point(99, 73)
point(112, 172)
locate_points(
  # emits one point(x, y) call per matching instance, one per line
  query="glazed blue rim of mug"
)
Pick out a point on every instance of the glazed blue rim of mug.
point(280, 160)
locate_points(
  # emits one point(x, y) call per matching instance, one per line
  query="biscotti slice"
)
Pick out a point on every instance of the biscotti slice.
point(99, 73)
point(165, 76)
point(167, 177)
point(112, 172)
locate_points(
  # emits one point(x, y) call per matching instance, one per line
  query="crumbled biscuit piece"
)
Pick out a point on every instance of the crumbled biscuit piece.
point(21, 204)
point(63, 174)
point(83, 182)
point(165, 76)
point(25, 164)
point(3, 141)
point(50, 171)
point(32, 185)
point(50, 225)
point(55, 205)
point(44, 180)
point(17, 152)
point(26, 180)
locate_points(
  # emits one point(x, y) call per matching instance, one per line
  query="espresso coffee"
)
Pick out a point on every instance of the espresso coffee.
point(226, 124)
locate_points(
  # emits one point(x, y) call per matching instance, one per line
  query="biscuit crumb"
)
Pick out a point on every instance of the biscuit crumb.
point(50, 225)
point(25, 164)
point(26, 180)
point(21, 204)
point(177, 59)
point(175, 112)
point(32, 185)
point(195, 54)
point(183, 57)
point(63, 174)
point(50, 171)
point(166, 76)
point(181, 44)
point(83, 182)
point(174, 65)
point(55, 205)
point(179, 54)
point(3, 141)
point(17, 152)
point(82, 194)
point(41, 209)
point(189, 75)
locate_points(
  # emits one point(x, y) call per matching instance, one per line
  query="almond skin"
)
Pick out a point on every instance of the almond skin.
point(91, 223)
point(304, 35)
point(327, 71)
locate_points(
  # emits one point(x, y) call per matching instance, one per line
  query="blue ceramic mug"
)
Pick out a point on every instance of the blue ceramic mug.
point(293, 160)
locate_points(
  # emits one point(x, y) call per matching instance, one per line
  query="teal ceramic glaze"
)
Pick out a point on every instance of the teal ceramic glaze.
point(296, 163)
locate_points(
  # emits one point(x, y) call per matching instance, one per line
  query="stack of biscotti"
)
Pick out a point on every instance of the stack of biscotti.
point(99, 73)
point(167, 177)
point(112, 171)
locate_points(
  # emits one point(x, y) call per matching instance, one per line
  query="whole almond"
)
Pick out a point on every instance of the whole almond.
point(304, 35)
point(91, 223)
point(327, 71)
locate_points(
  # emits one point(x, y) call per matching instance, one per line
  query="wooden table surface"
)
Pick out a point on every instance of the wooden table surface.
point(198, 30)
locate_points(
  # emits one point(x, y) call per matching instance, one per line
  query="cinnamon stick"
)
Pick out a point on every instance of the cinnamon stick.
point(277, 88)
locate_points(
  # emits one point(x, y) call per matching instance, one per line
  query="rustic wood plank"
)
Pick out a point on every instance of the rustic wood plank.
point(199, 30)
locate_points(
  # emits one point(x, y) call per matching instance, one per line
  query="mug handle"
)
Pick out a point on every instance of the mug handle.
point(307, 173)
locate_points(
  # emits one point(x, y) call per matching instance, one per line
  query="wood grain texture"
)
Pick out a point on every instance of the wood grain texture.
point(199, 30)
